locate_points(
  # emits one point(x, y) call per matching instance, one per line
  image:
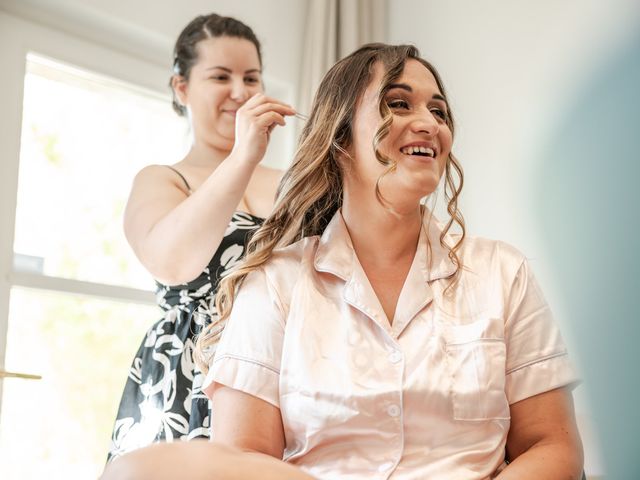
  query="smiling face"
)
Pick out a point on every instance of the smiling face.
point(418, 143)
point(226, 74)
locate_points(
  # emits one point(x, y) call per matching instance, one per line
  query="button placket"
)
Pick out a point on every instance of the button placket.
point(392, 409)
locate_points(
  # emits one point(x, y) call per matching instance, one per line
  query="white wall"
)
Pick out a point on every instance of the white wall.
point(512, 69)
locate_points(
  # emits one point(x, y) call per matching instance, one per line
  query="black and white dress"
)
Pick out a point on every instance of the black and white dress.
point(162, 399)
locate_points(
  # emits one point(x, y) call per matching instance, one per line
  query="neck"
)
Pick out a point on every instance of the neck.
point(203, 155)
point(380, 235)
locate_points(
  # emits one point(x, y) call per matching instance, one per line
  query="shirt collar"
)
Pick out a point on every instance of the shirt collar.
point(335, 253)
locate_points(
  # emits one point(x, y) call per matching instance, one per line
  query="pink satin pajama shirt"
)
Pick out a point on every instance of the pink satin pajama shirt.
point(425, 397)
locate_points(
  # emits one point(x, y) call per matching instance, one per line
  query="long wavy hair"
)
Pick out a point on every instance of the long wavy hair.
point(310, 191)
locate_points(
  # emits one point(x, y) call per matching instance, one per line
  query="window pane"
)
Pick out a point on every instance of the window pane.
point(83, 139)
point(60, 427)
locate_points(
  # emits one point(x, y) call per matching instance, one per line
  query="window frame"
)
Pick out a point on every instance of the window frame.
point(19, 37)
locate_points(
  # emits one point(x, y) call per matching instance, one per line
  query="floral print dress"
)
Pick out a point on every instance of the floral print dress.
point(162, 399)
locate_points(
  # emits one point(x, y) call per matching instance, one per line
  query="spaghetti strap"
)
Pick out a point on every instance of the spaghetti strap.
point(182, 177)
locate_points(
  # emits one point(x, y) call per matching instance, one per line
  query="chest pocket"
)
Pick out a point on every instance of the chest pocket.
point(476, 366)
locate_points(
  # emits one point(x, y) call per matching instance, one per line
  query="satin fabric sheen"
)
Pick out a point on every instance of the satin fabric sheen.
point(425, 396)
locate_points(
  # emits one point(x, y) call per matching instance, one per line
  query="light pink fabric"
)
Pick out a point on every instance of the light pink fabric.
point(426, 397)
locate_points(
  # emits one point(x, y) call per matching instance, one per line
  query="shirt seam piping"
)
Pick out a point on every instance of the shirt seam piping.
point(248, 360)
point(539, 360)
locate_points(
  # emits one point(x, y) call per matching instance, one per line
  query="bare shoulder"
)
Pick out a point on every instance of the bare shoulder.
point(158, 178)
point(156, 189)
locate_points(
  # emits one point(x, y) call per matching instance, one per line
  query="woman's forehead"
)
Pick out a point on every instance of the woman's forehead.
point(225, 49)
point(415, 71)
point(414, 74)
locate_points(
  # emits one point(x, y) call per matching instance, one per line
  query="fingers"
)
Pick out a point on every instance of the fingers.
point(255, 120)
point(271, 119)
point(280, 108)
point(260, 103)
point(263, 112)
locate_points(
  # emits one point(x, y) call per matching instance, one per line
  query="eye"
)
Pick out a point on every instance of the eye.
point(252, 80)
point(439, 113)
point(219, 78)
point(398, 103)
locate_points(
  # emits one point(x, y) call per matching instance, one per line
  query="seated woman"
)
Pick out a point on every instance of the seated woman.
point(363, 338)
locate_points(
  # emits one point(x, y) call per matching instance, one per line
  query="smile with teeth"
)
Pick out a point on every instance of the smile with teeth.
point(421, 151)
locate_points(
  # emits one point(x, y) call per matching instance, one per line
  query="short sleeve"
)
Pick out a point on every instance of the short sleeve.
point(250, 350)
point(537, 359)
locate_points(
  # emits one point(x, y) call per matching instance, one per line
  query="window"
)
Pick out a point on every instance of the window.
point(83, 139)
point(60, 426)
point(79, 301)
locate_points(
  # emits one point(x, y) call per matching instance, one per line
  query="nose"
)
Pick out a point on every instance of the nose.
point(425, 122)
point(239, 91)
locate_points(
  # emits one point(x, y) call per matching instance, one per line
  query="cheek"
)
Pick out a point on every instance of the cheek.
point(218, 96)
point(446, 140)
point(214, 94)
point(442, 166)
point(369, 130)
point(204, 105)
point(389, 144)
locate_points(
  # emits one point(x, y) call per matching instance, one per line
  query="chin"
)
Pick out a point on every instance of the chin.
point(222, 142)
point(424, 189)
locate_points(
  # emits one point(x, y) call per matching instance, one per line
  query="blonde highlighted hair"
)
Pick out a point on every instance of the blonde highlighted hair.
point(310, 191)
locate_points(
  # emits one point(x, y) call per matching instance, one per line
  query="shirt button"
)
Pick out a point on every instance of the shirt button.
point(385, 466)
point(393, 410)
point(395, 356)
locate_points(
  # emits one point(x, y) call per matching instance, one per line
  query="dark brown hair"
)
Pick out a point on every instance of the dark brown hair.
point(200, 28)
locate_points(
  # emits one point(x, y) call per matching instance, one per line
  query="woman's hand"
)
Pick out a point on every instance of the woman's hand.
point(254, 122)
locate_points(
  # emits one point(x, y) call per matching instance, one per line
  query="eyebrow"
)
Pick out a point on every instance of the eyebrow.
point(404, 86)
point(228, 70)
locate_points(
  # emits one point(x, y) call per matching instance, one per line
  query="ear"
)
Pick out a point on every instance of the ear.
point(180, 86)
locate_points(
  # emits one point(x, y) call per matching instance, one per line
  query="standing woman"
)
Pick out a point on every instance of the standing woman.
point(188, 223)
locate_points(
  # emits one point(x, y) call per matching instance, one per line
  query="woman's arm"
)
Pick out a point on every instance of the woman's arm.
point(247, 422)
point(198, 460)
point(543, 440)
point(175, 236)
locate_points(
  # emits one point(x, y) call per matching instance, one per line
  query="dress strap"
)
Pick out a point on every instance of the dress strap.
point(182, 177)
